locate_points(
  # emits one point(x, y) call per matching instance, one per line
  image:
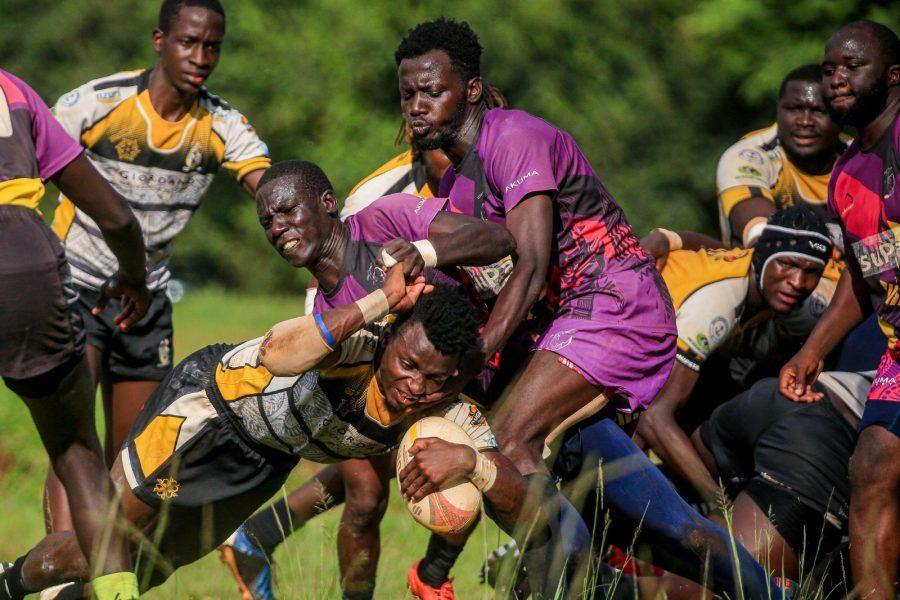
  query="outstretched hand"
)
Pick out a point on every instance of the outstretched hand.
point(434, 463)
point(133, 298)
point(797, 377)
point(402, 294)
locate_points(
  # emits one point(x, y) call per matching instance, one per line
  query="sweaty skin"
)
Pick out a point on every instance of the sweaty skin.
point(809, 138)
point(862, 90)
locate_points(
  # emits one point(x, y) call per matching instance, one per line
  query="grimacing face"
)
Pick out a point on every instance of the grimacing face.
point(412, 372)
point(788, 281)
point(855, 77)
point(296, 223)
point(433, 98)
point(189, 53)
point(804, 126)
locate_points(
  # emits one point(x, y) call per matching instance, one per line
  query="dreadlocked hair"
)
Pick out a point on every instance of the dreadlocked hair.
point(448, 318)
point(491, 96)
point(456, 38)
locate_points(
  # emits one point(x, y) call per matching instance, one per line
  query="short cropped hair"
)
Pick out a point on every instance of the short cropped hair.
point(885, 37)
point(169, 10)
point(308, 176)
point(448, 318)
point(455, 38)
point(806, 74)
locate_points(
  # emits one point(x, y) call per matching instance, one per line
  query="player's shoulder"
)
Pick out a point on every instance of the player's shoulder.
point(759, 146)
point(397, 166)
point(506, 124)
point(688, 270)
point(108, 90)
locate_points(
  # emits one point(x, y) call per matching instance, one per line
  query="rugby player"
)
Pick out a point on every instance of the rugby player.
point(861, 84)
point(607, 333)
point(42, 339)
point(724, 299)
point(158, 136)
point(229, 423)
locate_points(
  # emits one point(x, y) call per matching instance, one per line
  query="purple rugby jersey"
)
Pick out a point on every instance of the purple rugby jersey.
point(610, 314)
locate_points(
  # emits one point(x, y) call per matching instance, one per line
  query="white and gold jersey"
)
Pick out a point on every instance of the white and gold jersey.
point(162, 168)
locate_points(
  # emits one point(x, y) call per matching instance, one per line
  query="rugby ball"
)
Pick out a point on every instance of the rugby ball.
point(456, 504)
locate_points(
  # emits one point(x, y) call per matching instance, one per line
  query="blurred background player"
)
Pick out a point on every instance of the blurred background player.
point(42, 339)
point(861, 84)
point(158, 136)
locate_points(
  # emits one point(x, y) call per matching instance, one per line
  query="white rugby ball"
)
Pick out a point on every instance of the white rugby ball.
point(454, 506)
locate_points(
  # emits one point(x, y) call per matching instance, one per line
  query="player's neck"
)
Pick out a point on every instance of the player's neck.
point(815, 165)
point(327, 268)
point(168, 102)
point(754, 297)
point(466, 135)
point(872, 131)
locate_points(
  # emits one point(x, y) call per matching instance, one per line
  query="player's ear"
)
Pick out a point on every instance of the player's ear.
point(893, 75)
point(329, 201)
point(157, 38)
point(474, 89)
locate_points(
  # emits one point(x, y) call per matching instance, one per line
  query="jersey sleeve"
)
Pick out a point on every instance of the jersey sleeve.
point(397, 215)
point(522, 164)
point(54, 147)
point(744, 171)
point(707, 318)
point(471, 419)
point(244, 151)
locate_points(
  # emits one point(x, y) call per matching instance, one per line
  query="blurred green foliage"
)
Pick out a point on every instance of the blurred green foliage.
point(652, 90)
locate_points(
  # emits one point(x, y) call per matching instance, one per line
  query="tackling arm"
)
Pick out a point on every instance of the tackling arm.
point(749, 216)
point(658, 428)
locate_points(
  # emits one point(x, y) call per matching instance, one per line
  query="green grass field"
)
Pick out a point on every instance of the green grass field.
point(307, 563)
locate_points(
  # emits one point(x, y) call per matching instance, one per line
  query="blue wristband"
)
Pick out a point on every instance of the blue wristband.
point(324, 330)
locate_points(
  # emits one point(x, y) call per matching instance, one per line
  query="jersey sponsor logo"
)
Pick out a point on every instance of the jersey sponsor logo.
point(520, 181)
point(702, 343)
point(419, 205)
point(164, 353)
point(166, 488)
point(751, 156)
point(878, 253)
point(107, 96)
point(71, 98)
point(748, 172)
point(717, 330)
point(127, 149)
point(560, 339)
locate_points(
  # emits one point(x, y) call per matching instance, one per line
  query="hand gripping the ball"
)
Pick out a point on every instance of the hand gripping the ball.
point(435, 463)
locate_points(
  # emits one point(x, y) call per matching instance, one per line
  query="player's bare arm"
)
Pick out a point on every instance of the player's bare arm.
point(436, 462)
point(81, 182)
point(748, 213)
point(455, 240)
point(660, 242)
point(668, 440)
point(251, 180)
point(531, 224)
point(850, 305)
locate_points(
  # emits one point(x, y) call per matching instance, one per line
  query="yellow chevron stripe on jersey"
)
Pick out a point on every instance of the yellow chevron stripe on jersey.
point(402, 160)
point(22, 192)
point(157, 442)
point(687, 271)
point(377, 408)
point(63, 217)
point(246, 380)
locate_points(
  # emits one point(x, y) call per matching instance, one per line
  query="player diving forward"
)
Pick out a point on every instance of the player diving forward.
point(229, 423)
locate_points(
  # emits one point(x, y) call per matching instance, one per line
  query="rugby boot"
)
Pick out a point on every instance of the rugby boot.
point(250, 566)
point(497, 561)
point(423, 591)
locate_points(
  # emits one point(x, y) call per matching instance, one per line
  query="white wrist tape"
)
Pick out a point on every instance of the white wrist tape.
point(293, 347)
point(752, 230)
point(484, 474)
point(387, 259)
point(374, 307)
point(426, 249)
point(675, 242)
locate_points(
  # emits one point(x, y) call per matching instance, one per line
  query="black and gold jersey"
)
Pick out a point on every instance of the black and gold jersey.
point(401, 174)
point(162, 168)
point(757, 166)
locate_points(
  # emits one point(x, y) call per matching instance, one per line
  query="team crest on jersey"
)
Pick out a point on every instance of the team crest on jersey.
point(71, 98)
point(194, 158)
point(166, 488)
point(127, 149)
point(717, 330)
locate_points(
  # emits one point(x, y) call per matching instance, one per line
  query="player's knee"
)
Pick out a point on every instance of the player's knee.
point(364, 509)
